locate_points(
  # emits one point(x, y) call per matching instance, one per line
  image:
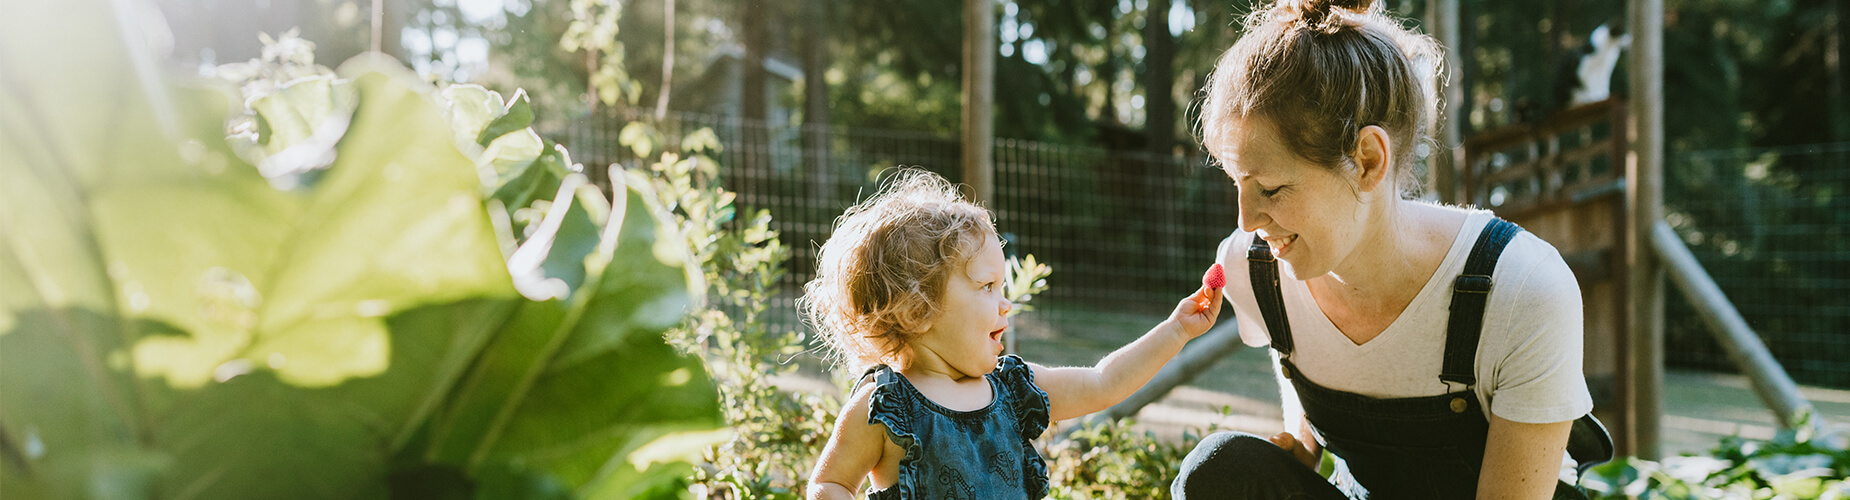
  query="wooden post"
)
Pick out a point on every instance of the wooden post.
point(979, 101)
point(1644, 173)
point(1159, 82)
point(1769, 379)
point(1442, 164)
point(816, 99)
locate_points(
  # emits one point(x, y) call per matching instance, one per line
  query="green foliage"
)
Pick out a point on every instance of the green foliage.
point(1111, 460)
point(1026, 277)
point(776, 433)
point(327, 305)
point(593, 30)
point(1801, 463)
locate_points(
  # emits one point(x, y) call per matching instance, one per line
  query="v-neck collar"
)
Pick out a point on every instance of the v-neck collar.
point(1461, 246)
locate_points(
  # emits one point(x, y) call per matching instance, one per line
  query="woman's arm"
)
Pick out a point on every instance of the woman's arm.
point(1522, 460)
point(1078, 391)
point(853, 450)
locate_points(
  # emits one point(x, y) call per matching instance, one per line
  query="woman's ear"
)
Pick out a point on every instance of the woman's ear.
point(1372, 158)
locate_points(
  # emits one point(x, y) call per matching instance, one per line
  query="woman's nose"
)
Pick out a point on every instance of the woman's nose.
point(1250, 216)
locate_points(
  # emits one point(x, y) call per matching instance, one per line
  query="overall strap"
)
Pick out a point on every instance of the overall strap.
point(1470, 293)
point(1263, 273)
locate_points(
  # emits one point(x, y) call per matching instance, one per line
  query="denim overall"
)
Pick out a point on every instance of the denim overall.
point(1396, 448)
point(982, 454)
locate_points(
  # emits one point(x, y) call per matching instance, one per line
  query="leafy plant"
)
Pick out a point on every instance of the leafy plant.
point(1112, 460)
point(593, 29)
point(776, 433)
point(345, 300)
point(1807, 461)
point(1026, 277)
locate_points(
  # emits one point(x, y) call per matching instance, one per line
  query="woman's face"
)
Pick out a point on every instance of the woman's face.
point(1310, 215)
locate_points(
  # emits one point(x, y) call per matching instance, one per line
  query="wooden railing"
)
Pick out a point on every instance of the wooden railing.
point(1574, 155)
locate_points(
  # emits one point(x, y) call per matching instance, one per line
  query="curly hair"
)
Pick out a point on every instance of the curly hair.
point(880, 276)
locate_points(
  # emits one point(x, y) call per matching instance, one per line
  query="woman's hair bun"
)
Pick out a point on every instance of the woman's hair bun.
point(1327, 16)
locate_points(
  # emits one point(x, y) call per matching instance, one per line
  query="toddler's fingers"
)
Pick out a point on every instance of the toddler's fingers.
point(1208, 298)
point(1285, 440)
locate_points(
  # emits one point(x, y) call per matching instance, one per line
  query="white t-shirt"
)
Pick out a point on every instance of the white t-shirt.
point(1528, 357)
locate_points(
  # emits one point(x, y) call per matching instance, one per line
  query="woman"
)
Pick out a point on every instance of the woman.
point(1436, 351)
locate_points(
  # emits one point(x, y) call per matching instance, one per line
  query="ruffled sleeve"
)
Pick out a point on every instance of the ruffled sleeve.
point(1030, 405)
point(1030, 402)
point(891, 405)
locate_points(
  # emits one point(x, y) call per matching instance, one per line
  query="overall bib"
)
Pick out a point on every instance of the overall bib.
point(1387, 448)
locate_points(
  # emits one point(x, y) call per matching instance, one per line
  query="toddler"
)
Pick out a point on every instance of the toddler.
point(911, 284)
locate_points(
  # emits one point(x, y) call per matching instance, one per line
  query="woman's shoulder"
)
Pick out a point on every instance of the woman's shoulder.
point(1526, 259)
point(1533, 290)
point(1537, 266)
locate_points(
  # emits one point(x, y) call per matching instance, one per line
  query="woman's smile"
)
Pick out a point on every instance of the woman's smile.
point(1280, 245)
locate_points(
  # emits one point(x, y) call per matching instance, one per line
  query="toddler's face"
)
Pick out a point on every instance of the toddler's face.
point(968, 332)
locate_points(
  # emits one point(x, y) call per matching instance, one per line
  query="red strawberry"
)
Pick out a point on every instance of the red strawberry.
point(1215, 278)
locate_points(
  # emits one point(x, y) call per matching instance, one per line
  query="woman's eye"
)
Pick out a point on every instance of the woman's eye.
point(1270, 192)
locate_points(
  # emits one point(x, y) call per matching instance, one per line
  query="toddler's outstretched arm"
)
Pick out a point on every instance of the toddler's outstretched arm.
point(854, 450)
point(1078, 391)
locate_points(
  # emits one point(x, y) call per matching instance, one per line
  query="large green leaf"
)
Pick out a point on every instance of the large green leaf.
point(299, 281)
point(227, 435)
point(75, 118)
point(178, 323)
point(530, 398)
point(301, 109)
point(495, 134)
point(551, 263)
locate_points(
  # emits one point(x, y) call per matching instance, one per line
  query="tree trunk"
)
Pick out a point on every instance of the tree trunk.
point(1442, 164)
point(979, 89)
point(1159, 124)
point(816, 98)
point(662, 95)
point(754, 147)
point(1159, 79)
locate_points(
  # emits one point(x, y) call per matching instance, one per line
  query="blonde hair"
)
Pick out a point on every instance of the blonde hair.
point(1320, 71)
point(880, 276)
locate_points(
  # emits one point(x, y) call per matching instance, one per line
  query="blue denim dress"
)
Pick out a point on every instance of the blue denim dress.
point(986, 453)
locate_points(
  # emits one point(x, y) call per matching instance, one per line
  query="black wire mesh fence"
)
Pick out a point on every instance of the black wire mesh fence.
point(1769, 225)
point(1129, 233)
point(1123, 231)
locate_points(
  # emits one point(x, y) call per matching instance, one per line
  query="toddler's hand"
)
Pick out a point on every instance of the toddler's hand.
point(1291, 444)
point(1197, 313)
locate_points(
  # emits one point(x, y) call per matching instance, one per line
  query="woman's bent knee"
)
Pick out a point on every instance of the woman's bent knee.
point(1230, 463)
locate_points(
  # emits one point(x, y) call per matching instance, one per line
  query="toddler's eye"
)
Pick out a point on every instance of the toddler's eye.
point(989, 286)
